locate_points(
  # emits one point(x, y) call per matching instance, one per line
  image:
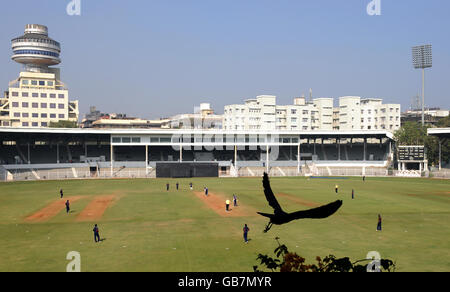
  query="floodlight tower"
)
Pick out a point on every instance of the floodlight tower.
point(422, 58)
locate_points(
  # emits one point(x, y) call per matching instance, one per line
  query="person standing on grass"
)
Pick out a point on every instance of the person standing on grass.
point(336, 188)
point(167, 187)
point(67, 206)
point(364, 178)
point(246, 230)
point(96, 233)
point(234, 200)
point(206, 191)
point(379, 223)
point(61, 193)
point(227, 205)
point(353, 194)
point(190, 185)
point(177, 186)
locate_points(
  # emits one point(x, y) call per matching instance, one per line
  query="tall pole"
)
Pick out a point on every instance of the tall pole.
point(423, 97)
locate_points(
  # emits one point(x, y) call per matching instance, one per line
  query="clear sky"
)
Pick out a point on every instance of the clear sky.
point(155, 58)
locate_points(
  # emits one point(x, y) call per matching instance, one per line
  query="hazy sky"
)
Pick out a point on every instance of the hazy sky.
point(155, 58)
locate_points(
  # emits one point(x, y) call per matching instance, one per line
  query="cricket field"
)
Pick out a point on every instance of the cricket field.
point(146, 228)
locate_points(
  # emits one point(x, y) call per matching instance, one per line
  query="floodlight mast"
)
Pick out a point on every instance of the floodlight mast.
point(422, 58)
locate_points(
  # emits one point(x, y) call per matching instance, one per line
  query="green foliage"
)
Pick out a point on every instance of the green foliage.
point(413, 133)
point(292, 262)
point(63, 124)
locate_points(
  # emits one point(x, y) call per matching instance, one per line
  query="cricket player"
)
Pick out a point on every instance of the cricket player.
point(234, 200)
point(177, 186)
point(61, 193)
point(227, 205)
point(379, 223)
point(337, 188)
point(167, 187)
point(246, 230)
point(67, 206)
point(96, 233)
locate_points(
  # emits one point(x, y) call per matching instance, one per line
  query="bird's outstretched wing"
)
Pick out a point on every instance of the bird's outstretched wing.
point(270, 196)
point(319, 212)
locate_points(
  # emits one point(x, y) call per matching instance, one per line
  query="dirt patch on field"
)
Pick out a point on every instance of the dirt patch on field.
point(51, 210)
point(297, 200)
point(96, 208)
point(217, 204)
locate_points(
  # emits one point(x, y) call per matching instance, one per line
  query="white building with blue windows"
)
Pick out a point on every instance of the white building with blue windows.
point(37, 97)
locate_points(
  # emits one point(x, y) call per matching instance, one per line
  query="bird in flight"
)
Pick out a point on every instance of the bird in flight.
point(280, 217)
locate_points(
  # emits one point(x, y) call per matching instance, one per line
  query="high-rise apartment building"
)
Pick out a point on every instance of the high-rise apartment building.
point(356, 113)
point(353, 113)
point(262, 113)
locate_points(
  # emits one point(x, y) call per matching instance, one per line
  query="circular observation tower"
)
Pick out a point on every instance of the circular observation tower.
point(35, 49)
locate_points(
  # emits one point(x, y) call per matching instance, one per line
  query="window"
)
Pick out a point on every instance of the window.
point(43, 95)
point(35, 105)
point(293, 120)
point(42, 83)
point(24, 82)
point(52, 116)
point(43, 105)
point(60, 95)
point(25, 115)
point(53, 105)
point(34, 124)
point(52, 95)
point(24, 104)
point(24, 94)
point(35, 115)
point(24, 124)
point(61, 106)
point(15, 104)
point(35, 94)
point(61, 116)
point(14, 93)
point(126, 140)
point(50, 83)
point(154, 139)
point(136, 140)
point(33, 82)
point(44, 116)
point(44, 124)
point(305, 112)
point(293, 111)
point(17, 115)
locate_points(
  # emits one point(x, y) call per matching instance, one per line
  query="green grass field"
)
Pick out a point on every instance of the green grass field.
point(149, 229)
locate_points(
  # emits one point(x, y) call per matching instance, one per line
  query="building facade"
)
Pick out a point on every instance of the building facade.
point(37, 97)
point(353, 113)
point(262, 113)
point(356, 113)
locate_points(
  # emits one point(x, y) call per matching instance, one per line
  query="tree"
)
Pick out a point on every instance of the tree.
point(413, 133)
point(63, 124)
point(292, 262)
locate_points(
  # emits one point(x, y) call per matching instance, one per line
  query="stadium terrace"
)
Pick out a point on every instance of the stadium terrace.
point(52, 153)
